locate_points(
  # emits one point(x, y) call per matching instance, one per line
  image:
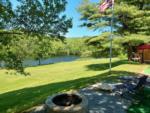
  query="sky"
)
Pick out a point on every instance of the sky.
point(71, 12)
point(76, 31)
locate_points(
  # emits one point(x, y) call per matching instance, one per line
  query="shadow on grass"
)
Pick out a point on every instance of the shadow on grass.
point(142, 104)
point(105, 66)
point(147, 71)
point(19, 100)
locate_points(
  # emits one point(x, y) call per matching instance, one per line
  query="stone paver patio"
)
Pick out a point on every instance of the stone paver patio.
point(104, 102)
point(98, 102)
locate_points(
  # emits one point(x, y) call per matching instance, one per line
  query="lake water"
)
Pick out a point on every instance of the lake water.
point(52, 60)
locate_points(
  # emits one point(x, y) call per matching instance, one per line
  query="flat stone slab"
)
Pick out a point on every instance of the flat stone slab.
point(103, 102)
point(103, 86)
point(37, 109)
point(148, 79)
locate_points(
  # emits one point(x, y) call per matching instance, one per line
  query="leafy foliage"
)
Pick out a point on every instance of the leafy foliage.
point(42, 17)
point(129, 43)
point(130, 16)
point(13, 51)
point(122, 46)
point(27, 31)
point(6, 13)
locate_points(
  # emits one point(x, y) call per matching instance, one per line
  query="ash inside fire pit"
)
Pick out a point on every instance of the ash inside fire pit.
point(67, 100)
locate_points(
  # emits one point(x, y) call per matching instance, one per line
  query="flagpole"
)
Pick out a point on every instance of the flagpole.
point(111, 38)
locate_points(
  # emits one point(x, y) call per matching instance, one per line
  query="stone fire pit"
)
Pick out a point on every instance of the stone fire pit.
point(67, 103)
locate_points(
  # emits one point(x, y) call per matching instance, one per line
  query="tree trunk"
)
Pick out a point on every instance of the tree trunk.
point(130, 53)
point(39, 61)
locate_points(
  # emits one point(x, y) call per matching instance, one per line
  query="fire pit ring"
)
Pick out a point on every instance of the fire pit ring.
point(67, 103)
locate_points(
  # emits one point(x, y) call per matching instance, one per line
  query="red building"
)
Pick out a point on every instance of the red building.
point(144, 52)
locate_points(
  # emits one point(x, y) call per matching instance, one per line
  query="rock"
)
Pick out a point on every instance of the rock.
point(37, 109)
point(148, 79)
point(103, 86)
point(82, 107)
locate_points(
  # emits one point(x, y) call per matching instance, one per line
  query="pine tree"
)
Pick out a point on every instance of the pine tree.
point(6, 13)
point(131, 16)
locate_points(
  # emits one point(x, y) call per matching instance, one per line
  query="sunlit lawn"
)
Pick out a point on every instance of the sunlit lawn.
point(18, 92)
point(147, 71)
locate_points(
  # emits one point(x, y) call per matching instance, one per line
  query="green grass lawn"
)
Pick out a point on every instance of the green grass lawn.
point(147, 71)
point(142, 105)
point(18, 92)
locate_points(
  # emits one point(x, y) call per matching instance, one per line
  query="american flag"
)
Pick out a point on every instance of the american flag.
point(106, 4)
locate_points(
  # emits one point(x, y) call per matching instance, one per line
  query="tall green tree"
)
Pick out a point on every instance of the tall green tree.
point(6, 13)
point(131, 16)
point(41, 48)
point(42, 17)
point(14, 50)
